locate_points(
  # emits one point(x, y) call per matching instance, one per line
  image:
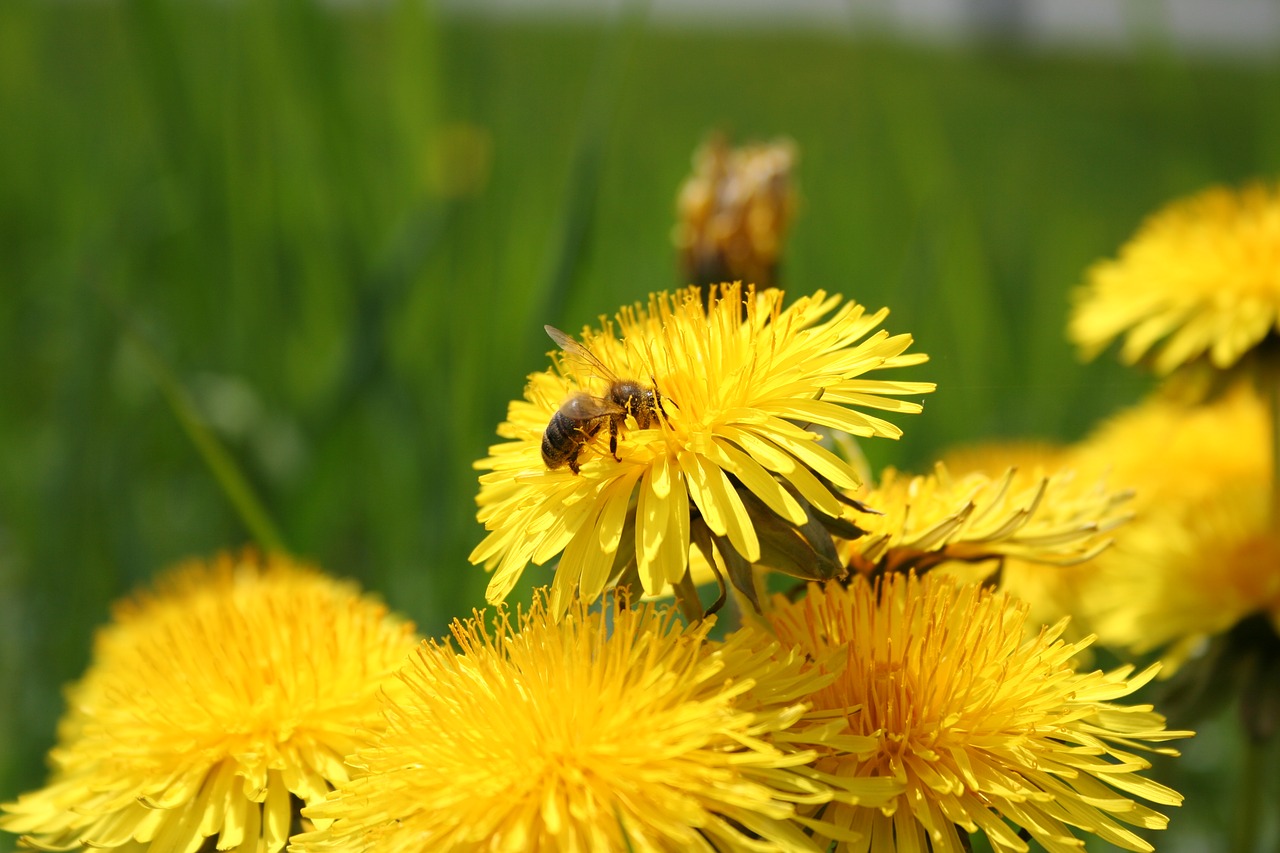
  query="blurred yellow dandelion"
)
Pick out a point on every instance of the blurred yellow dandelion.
point(613, 730)
point(1202, 553)
point(725, 459)
point(985, 729)
point(1199, 281)
point(1185, 574)
point(210, 706)
point(1170, 452)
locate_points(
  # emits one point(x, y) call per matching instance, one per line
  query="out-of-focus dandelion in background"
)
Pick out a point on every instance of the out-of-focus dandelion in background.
point(216, 708)
point(1199, 282)
point(273, 272)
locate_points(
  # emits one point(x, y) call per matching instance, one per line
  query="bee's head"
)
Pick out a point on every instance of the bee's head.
point(638, 401)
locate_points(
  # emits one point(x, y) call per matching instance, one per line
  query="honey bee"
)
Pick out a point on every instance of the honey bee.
point(583, 415)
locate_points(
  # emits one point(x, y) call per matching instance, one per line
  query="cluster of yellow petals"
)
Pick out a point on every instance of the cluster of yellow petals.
point(982, 728)
point(619, 729)
point(1052, 589)
point(736, 377)
point(1200, 280)
point(1053, 516)
point(1201, 553)
point(209, 705)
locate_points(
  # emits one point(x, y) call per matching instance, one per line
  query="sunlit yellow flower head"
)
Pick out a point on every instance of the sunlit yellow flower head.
point(1050, 589)
point(1053, 517)
point(735, 381)
point(239, 685)
point(613, 730)
point(1202, 553)
point(734, 212)
point(985, 729)
point(1199, 281)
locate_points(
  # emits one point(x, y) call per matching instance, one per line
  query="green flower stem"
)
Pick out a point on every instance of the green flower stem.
point(1248, 815)
point(223, 467)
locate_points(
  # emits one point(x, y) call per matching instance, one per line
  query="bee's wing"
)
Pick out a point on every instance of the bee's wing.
point(583, 406)
point(584, 355)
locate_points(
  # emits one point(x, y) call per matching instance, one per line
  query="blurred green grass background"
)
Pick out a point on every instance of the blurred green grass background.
point(271, 200)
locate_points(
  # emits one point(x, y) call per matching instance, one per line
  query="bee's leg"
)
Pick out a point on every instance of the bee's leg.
point(613, 439)
point(589, 432)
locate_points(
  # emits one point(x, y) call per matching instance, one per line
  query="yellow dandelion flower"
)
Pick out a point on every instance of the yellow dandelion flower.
point(1037, 516)
point(1181, 577)
point(734, 212)
point(727, 459)
point(1201, 554)
point(985, 729)
point(210, 706)
point(1168, 451)
point(1051, 590)
point(613, 730)
point(1200, 281)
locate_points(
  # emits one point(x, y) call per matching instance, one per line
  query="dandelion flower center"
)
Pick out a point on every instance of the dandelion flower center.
point(984, 729)
point(602, 731)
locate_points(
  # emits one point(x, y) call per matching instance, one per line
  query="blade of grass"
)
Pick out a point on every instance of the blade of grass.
point(235, 486)
point(959, 279)
point(408, 252)
point(581, 196)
